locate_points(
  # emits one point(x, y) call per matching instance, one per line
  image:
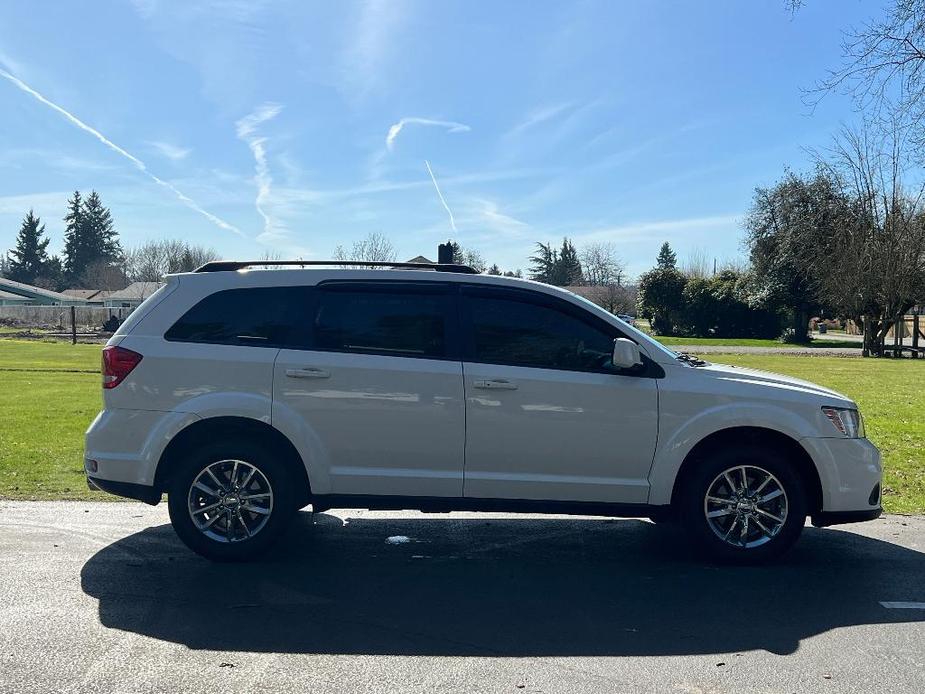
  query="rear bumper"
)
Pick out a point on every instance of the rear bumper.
point(139, 492)
point(825, 519)
point(126, 446)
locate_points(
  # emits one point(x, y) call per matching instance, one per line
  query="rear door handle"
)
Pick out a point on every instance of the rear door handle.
point(495, 384)
point(308, 373)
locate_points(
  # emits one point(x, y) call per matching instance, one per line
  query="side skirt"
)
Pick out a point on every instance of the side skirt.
point(431, 504)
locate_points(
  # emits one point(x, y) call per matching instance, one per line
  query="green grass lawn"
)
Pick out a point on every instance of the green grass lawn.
point(48, 356)
point(49, 393)
point(747, 342)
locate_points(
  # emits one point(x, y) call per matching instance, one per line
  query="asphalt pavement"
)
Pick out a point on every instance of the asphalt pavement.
point(102, 597)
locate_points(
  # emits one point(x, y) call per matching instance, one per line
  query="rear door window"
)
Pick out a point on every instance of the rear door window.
point(388, 318)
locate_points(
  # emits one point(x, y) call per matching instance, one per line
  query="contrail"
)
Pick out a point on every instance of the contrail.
point(245, 129)
point(440, 195)
point(140, 165)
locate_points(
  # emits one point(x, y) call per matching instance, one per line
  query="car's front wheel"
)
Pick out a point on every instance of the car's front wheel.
point(744, 504)
point(229, 501)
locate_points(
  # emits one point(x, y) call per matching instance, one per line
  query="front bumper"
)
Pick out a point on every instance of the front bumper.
point(139, 492)
point(850, 474)
point(823, 519)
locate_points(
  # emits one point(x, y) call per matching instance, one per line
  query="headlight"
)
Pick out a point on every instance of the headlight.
point(848, 422)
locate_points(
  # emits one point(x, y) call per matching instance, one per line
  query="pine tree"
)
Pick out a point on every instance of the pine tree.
point(29, 259)
point(544, 263)
point(569, 270)
point(90, 238)
point(75, 253)
point(51, 276)
point(459, 256)
point(101, 233)
point(667, 259)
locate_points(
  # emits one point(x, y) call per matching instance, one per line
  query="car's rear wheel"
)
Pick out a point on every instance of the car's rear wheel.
point(230, 500)
point(744, 504)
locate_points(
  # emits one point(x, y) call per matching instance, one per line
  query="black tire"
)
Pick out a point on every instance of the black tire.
point(693, 506)
point(267, 527)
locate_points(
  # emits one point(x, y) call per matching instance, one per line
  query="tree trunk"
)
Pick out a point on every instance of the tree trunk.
point(800, 323)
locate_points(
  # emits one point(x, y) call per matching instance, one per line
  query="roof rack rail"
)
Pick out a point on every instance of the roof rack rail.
point(231, 265)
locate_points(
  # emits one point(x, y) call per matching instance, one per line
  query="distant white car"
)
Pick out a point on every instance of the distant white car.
point(629, 320)
point(245, 394)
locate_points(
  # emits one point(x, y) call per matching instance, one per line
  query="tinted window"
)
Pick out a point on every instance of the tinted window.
point(522, 333)
point(382, 321)
point(261, 317)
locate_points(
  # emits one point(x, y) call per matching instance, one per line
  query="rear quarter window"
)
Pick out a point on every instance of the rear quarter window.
point(253, 317)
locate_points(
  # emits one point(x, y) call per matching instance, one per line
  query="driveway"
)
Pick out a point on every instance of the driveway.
point(103, 597)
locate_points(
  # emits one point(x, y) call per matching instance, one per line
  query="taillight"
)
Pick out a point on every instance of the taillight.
point(118, 363)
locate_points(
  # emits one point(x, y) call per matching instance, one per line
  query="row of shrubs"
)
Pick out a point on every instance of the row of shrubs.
point(676, 304)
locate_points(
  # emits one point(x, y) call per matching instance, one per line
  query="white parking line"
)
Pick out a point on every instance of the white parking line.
point(904, 605)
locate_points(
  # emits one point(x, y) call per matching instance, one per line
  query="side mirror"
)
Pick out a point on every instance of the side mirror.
point(625, 354)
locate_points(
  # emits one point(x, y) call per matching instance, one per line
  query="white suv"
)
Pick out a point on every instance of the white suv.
point(246, 394)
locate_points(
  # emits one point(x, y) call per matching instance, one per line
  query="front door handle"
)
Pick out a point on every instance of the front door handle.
point(308, 373)
point(496, 384)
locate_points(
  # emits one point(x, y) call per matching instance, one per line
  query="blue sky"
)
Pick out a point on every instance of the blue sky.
point(292, 127)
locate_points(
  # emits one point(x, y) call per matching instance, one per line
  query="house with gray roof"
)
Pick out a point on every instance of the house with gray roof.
point(132, 295)
point(29, 295)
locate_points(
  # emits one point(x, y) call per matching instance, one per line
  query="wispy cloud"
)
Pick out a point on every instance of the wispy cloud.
point(30, 157)
point(493, 218)
point(317, 196)
point(538, 116)
point(140, 165)
point(16, 204)
point(440, 195)
point(366, 61)
point(395, 130)
point(172, 152)
point(654, 230)
point(246, 129)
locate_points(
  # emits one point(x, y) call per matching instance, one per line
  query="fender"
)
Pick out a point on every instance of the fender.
point(228, 404)
point(308, 444)
point(679, 432)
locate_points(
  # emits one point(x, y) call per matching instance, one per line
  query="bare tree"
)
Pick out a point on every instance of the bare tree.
point(875, 266)
point(103, 274)
point(152, 260)
point(601, 264)
point(612, 297)
point(375, 247)
point(736, 264)
point(698, 264)
point(474, 259)
point(884, 69)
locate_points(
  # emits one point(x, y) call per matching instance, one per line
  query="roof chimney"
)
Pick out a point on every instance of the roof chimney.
point(445, 253)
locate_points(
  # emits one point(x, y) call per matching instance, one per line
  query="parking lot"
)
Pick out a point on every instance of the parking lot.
point(103, 597)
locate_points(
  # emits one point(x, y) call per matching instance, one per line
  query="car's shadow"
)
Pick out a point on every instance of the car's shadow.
point(499, 587)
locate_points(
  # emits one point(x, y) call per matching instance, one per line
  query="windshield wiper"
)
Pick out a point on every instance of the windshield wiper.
point(690, 359)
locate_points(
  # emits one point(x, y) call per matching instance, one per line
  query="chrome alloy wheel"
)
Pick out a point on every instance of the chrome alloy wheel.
point(230, 501)
point(745, 506)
